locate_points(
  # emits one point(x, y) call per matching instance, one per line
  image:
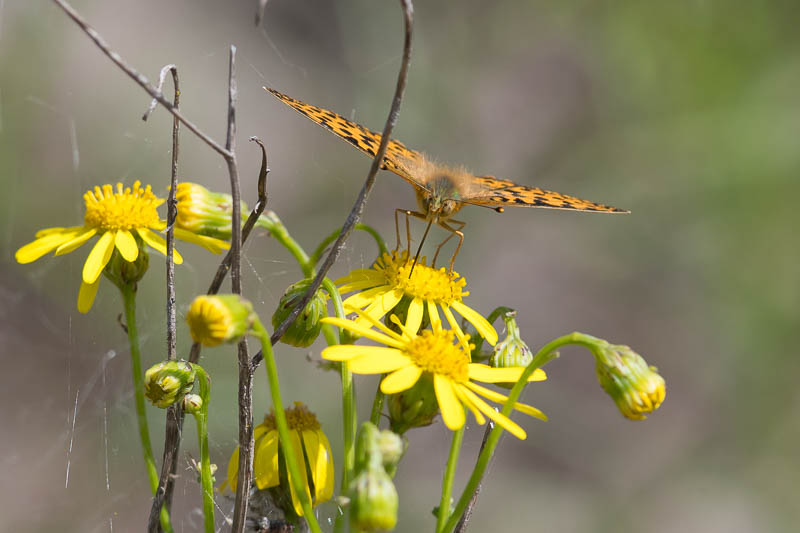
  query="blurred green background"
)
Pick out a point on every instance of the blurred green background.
point(684, 112)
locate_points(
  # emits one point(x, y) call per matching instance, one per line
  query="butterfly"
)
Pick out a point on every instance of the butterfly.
point(441, 190)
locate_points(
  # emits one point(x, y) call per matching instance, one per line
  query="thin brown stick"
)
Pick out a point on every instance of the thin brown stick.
point(141, 80)
point(358, 208)
point(172, 434)
point(172, 208)
point(461, 527)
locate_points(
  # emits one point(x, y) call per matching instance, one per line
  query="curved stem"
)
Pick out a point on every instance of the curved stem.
point(129, 298)
point(270, 222)
point(545, 354)
point(332, 237)
point(447, 481)
point(201, 417)
point(501, 310)
point(283, 427)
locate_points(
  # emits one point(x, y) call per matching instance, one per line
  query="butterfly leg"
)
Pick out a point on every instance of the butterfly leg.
point(453, 232)
point(407, 213)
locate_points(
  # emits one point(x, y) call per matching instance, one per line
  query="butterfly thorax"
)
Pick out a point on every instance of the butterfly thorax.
point(441, 198)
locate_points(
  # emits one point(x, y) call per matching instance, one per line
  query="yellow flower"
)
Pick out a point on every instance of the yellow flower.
point(408, 356)
point(383, 286)
point(205, 212)
point(308, 441)
point(121, 219)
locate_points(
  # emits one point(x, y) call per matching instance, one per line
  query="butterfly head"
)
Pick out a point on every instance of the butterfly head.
point(440, 200)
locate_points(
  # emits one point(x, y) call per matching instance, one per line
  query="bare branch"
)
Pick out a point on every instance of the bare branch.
point(262, 5)
point(358, 208)
point(141, 80)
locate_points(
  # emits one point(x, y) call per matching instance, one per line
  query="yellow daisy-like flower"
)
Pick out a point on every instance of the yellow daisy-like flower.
point(408, 356)
point(391, 278)
point(307, 436)
point(118, 217)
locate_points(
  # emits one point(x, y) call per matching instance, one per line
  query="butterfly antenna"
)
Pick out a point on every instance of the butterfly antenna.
point(424, 235)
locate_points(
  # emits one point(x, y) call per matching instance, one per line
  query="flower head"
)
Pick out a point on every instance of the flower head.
point(432, 353)
point(123, 219)
point(305, 330)
point(635, 387)
point(168, 382)
point(308, 441)
point(391, 279)
point(221, 318)
point(205, 212)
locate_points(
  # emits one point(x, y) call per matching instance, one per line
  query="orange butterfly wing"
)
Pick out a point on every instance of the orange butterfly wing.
point(398, 158)
point(497, 192)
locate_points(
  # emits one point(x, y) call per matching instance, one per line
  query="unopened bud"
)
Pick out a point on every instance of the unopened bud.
point(512, 351)
point(217, 319)
point(205, 212)
point(192, 403)
point(635, 387)
point(167, 382)
point(373, 501)
point(305, 330)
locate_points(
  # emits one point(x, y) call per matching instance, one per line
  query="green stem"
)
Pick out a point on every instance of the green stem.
point(377, 404)
point(283, 428)
point(129, 297)
point(333, 236)
point(349, 414)
point(201, 417)
point(273, 224)
point(449, 476)
point(545, 354)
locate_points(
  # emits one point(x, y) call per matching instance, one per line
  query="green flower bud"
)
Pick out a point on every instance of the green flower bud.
point(415, 407)
point(512, 351)
point(168, 382)
point(205, 212)
point(217, 319)
point(635, 387)
point(392, 447)
point(192, 403)
point(373, 501)
point(305, 330)
point(122, 272)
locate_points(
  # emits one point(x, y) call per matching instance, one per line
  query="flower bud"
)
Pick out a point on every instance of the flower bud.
point(168, 382)
point(635, 387)
point(415, 407)
point(305, 330)
point(216, 319)
point(192, 403)
point(122, 272)
point(391, 446)
point(373, 501)
point(512, 351)
point(205, 212)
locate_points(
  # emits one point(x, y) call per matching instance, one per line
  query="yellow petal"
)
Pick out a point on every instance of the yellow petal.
point(51, 231)
point(301, 465)
point(363, 299)
point(363, 331)
point(400, 380)
point(36, 249)
point(462, 337)
point(233, 470)
point(479, 418)
point(159, 244)
point(360, 275)
point(98, 257)
point(346, 352)
point(86, 295)
point(484, 328)
point(379, 362)
point(320, 462)
point(126, 245)
point(76, 242)
point(414, 316)
point(381, 305)
point(452, 410)
point(501, 398)
point(433, 316)
point(265, 462)
point(504, 422)
point(488, 374)
point(215, 246)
